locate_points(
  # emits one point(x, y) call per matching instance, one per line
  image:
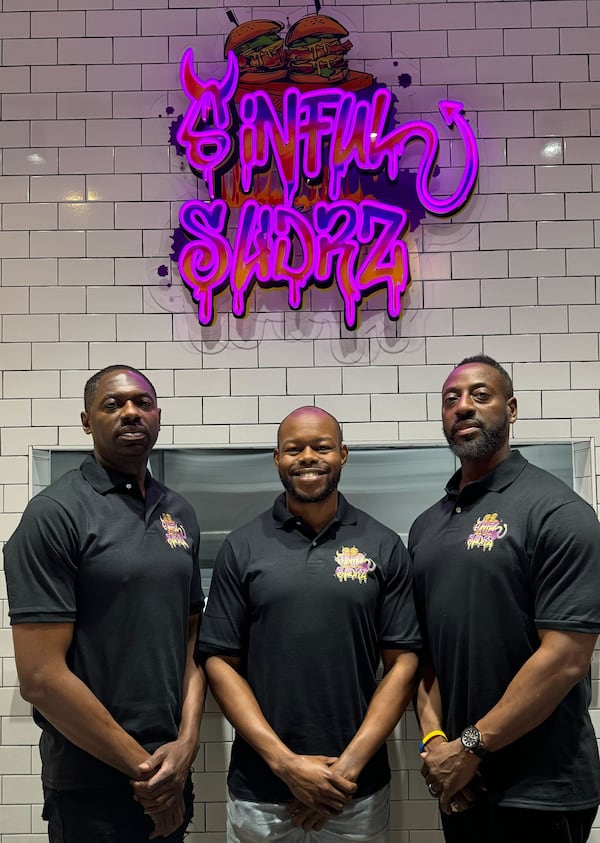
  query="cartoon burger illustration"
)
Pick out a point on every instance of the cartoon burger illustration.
point(259, 50)
point(316, 53)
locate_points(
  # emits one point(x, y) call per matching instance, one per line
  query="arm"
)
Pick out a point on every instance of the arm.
point(429, 711)
point(396, 621)
point(385, 710)
point(310, 778)
point(165, 773)
point(561, 661)
point(65, 701)
point(194, 693)
point(428, 702)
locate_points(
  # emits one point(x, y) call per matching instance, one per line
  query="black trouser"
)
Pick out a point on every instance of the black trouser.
point(488, 823)
point(104, 815)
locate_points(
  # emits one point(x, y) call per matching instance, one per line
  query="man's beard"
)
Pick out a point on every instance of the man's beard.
point(489, 440)
point(299, 495)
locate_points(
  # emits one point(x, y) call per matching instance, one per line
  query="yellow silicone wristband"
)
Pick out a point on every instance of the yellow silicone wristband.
point(437, 733)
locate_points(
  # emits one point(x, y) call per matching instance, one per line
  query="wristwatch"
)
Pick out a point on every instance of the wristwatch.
point(472, 742)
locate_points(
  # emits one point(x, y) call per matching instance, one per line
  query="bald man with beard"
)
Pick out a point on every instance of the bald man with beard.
point(507, 584)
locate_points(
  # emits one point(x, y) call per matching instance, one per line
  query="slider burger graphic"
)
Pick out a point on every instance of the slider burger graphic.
point(259, 50)
point(316, 54)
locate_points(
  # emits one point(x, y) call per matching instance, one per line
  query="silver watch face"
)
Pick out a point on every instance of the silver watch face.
point(471, 737)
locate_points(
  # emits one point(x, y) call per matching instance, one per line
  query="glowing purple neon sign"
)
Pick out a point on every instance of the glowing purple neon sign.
point(322, 135)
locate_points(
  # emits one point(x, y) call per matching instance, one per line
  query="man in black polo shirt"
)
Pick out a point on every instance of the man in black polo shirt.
point(105, 601)
point(304, 601)
point(507, 585)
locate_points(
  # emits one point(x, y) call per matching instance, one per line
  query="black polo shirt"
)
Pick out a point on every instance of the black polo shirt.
point(512, 553)
point(308, 614)
point(91, 551)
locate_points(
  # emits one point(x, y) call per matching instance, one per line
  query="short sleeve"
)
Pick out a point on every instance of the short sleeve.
point(225, 623)
point(398, 626)
point(40, 562)
point(565, 569)
point(196, 592)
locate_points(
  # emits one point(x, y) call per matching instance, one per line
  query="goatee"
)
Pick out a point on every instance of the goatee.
point(489, 440)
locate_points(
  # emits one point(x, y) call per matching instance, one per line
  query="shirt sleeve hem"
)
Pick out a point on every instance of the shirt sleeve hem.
point(413, 644)
point(593, 628)
point(42, 617)
point(217, 650)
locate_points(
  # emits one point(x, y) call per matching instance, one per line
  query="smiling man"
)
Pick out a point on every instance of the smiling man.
point(507, 583)
point(304, 603)
point(105, 601)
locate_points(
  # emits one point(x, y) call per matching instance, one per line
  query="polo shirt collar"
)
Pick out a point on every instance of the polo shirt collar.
point(495, 480)
point(105, 480)
point(346, 514)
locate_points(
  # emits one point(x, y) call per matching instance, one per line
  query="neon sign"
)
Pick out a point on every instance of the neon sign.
point(318, 137)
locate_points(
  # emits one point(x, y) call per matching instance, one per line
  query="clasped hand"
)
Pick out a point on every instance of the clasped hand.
point(315, 783)
point(159, 789)
point(319, 789)
point(451, 775)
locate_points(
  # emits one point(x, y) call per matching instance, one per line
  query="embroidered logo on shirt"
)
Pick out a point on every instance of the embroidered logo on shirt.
point(352, 564)
point(174, 533)
point(486, 531)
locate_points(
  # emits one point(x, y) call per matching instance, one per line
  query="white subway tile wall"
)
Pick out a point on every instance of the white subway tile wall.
point(90, 190)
